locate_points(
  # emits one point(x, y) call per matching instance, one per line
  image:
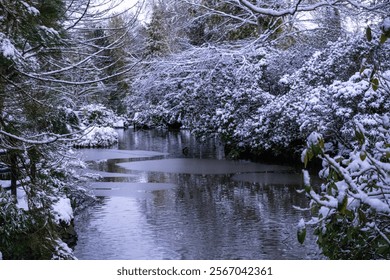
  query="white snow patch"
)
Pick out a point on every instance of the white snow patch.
point(284, 80)
point(386, 25)
point(7, 48)
point(314, 138)
point(63, 210)
point(49, 30)
point(119, 124)
point(5, 183)
point(306, 178)
point(316, 54)
point(31, 10)
point(22, 199)
point(324, 211)
point(62, 251)
point(377, 204)
point(301, 224)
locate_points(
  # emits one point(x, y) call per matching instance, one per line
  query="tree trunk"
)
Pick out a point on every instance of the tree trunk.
point(14, 174)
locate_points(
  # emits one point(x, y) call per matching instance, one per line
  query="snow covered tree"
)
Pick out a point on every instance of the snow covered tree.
point(157, 44)
point(287, 22)
point(166, 30)
point(45, 70)
point(224, 20)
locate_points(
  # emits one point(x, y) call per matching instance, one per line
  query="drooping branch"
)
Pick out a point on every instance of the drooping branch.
point(89, 82)
point(297, 7)
point(300, 7)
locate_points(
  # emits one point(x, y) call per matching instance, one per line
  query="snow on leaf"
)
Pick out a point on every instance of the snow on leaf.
point(63, 210)
point(7, 49)
point(306, 178)
point(30, 9)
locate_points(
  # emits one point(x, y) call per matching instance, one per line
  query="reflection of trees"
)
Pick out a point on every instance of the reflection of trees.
point(172, 142)
point(211, 217)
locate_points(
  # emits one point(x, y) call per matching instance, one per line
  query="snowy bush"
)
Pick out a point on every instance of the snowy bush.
point(98, 122)
point(97, 114)
point(39, 223)
point(337, 61)
point(276, 129)
point(31, 233)
point(351, 210)
point(328, 97)
point(333, 110)
point(97, 137)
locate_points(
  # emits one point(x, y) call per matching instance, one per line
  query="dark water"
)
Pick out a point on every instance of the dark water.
point(157, 202)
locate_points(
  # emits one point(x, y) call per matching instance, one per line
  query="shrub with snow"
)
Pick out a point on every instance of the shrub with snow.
point(98, 122)
point(97, 114)
point(351, 210)
point(39, 225)
point(97, 137)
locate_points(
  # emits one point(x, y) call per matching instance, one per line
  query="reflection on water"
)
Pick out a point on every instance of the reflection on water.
point(200, 166)
point(162, 212)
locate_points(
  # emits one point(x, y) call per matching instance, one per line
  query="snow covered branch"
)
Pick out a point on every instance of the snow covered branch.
point(297, 7)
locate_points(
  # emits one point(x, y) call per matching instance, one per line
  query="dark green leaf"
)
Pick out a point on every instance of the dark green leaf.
point(369, 34)
point(321, 143)
point(310, 154)
point(362, 216)
point(360, 137)
point(316, 150)
point(306, 158)
point(375, 84)
point(301, 235)
point(383, 38)
point(343, 205)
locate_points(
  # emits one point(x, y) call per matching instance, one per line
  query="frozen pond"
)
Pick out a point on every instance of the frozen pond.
point(197, 205)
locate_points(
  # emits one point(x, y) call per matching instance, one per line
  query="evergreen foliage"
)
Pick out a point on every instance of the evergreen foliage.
point(42, 74)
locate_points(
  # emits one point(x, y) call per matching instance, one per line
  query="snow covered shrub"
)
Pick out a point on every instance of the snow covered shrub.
point(28, 229)
point(333, 110)
point(276, 128)
point(97, 137)
point(39, 223)
point(337, 61)
point(97, 114)
point(332, 92)
point(351, 210)
point(97, 122)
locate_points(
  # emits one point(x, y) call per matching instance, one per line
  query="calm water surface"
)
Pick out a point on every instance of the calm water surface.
point(157, 203)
